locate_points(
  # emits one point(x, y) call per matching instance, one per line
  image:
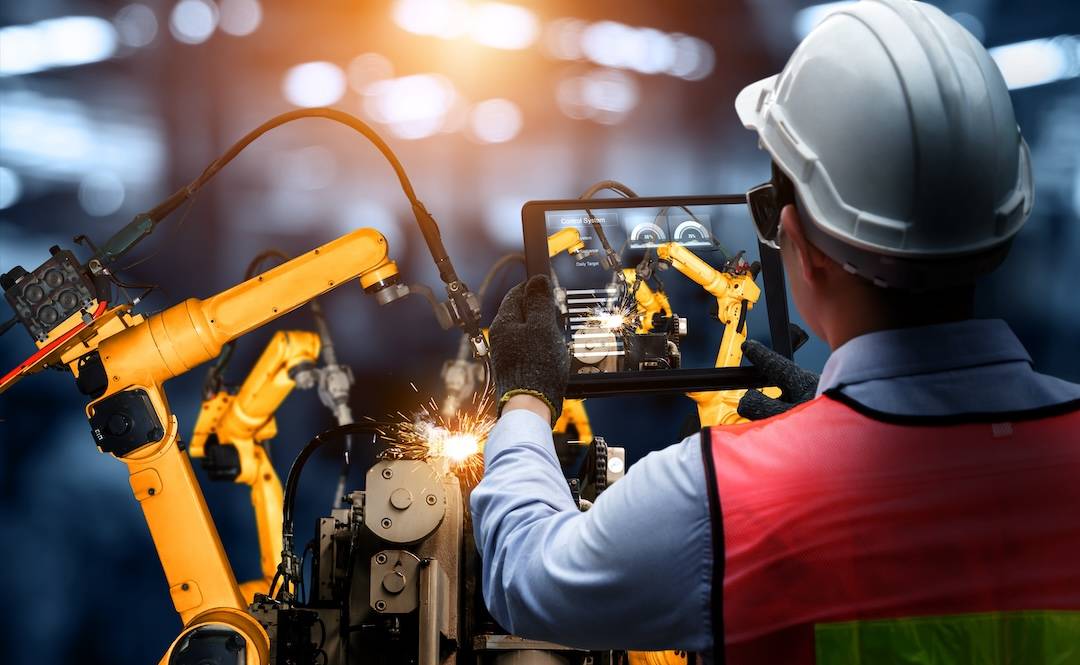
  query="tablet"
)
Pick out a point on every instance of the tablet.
point(644, 286)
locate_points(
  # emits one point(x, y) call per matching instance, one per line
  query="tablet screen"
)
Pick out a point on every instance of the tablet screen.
point(649, 288)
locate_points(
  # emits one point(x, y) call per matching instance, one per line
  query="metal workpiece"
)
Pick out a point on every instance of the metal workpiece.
point(515, 643)
point(444, 551)
point(405, 500)
point(535, 656)
point(395, 582)
point(434, 611)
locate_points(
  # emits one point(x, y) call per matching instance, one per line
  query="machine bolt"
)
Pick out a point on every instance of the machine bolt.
point(386, 523)
point(431, 499)
point(388, 473)
point(118, 424)
point(380, 558)
point(394, 582)
point(185, 586)
point(151, 491)
point(401, 498)
point(380, 605)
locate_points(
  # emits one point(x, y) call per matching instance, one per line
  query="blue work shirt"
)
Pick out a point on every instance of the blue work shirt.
point(635, 571)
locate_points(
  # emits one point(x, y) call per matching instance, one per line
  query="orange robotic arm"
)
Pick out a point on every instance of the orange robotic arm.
point(241, 423)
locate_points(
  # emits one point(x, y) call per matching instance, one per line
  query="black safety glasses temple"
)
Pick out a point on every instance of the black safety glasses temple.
point(764, 205)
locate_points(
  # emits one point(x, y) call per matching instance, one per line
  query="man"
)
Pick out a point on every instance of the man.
point(924, 505)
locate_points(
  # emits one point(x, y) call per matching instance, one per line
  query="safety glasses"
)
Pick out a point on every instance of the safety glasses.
point(765, 210)
point(766, 201)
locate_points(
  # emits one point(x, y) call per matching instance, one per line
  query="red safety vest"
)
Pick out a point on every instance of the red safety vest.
point(850, 536)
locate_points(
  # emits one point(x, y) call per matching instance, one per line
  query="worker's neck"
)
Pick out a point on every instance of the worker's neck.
point(870, 309)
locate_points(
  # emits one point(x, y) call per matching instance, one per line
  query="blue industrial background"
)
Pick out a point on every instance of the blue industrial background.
point(106, 107)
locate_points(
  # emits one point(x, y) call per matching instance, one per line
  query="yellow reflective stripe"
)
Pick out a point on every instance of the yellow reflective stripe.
point(991, 638)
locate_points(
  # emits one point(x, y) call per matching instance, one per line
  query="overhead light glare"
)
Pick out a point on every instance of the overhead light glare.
point(1038, 61)
point(57, 42)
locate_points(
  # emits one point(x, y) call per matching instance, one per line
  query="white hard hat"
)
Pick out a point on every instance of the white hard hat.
point(896, 129)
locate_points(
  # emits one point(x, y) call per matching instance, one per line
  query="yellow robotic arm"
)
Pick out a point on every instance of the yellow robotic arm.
point(567, 240)
point(648, 302)
point(573, 413)
point(235, 429)
point(735, 292)
point(122, 361)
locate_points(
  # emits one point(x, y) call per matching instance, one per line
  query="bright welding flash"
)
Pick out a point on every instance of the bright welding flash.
point(460, 447)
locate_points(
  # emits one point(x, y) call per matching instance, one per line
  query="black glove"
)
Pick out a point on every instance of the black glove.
point(796, 384)
point(528, 350)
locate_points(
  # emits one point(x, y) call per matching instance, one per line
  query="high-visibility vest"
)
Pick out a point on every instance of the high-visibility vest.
point(850, 536)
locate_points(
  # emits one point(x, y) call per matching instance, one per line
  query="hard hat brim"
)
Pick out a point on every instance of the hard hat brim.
point(753, 101)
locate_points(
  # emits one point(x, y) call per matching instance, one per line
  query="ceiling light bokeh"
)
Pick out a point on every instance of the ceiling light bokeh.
point(240, 18)
point(136, 25)
point(495, 120)
point(193, 21)
point(10, 187)
point(101, 193)
point(312, 84)
point(368, 68)
point(497, 25)
point(413, 107)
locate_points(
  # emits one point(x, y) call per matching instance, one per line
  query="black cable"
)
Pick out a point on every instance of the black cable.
point(428, 227)
point(425, 291)
point(291, 483)
point(261, 258)
point(611, 185)
point(626, 192)
point(304, 595)
point(143, 224)
point(609, 253)
point(273, 582)
point(213, 381)
point(175, 233)
point(322, 640)
point(7, 325)
point(494, 271)
point(301, 459)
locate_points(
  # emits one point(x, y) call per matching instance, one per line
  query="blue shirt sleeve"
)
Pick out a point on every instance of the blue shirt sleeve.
point(633, 572)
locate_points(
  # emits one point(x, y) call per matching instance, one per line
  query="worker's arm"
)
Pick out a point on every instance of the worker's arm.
point(632, 572)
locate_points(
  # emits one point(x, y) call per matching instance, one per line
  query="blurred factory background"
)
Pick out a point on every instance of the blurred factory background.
point(106, 107)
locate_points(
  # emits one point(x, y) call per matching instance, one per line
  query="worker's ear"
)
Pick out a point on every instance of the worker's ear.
point(812, 262)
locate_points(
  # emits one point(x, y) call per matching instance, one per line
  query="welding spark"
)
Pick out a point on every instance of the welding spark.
point(615, 318)
point(453, 444)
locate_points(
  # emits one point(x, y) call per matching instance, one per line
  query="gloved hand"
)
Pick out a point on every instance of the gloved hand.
point(528, 350)
point(796, 384)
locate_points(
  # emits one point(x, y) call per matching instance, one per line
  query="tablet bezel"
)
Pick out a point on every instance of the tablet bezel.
point(534, 230)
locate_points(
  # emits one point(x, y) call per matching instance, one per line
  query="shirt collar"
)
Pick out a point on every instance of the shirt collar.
point(887, 354)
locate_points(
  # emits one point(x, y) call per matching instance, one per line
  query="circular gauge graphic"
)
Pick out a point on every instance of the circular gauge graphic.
point(692, 233)
point(647, 234)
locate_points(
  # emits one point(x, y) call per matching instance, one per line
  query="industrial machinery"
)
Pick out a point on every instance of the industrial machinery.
point(635, 315)
point(121, 359)
point(395, 574)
